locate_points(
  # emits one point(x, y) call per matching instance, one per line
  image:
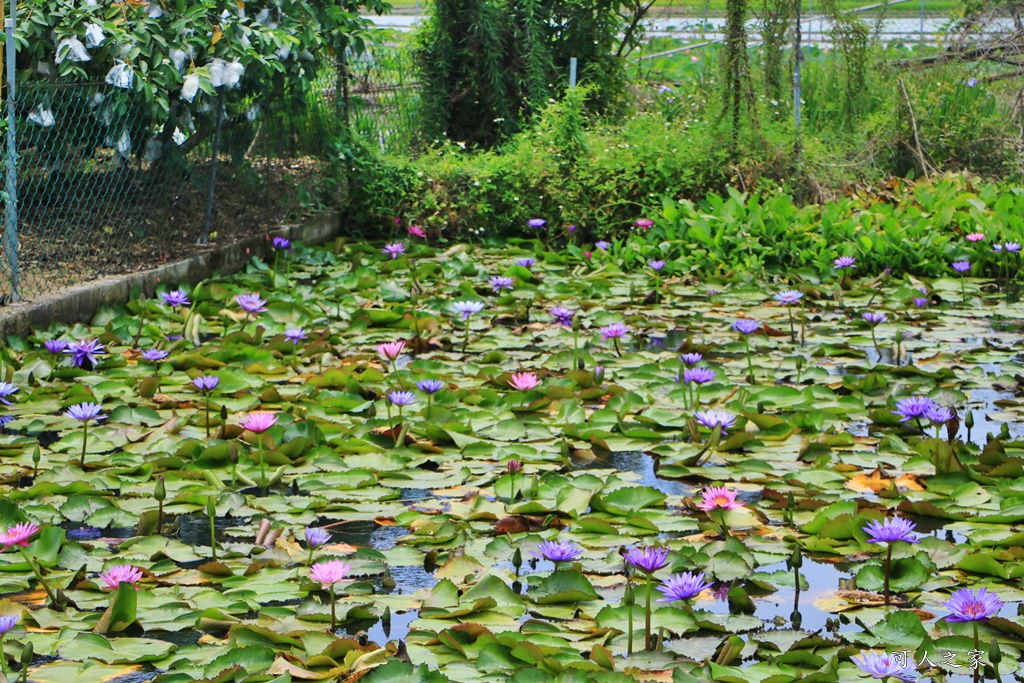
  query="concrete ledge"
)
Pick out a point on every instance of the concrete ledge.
point(79, 302)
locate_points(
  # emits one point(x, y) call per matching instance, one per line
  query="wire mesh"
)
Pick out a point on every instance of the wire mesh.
point(384, 98)
point(103, 188)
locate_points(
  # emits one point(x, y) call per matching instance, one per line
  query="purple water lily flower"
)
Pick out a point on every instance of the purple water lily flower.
point(500, 282)
point(714, 418)
point(913, 407)
point(467, 308)
point(316, 537)
point(526, 262)
point(683, 586)
point(206, 383)
point(174, 298)
point(562, 315)
point(282, 243)
point(649, 559)
point(883, 666)
point(698, 375)
point(614, 331)
point(789, 297)
point(921, 302)
point(891, 530)
point(844, 262)
point(402, 398)
point(84, 352)
point(746, 326)
point(874, 318)
point(251, 302)
point(961, 266)
point(939, 415)
point(83, 412)
point(55, 345)
point(394, 249)
point(7, 389)
point(558, 551)
point(968, 605)
point(154, 355)
point(295, 334)
point(691, 358)
point(430, 386)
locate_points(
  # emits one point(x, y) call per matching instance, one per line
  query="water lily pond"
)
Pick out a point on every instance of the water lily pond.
point(474, 464)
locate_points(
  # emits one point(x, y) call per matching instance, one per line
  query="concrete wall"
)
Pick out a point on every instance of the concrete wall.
point(79, 302)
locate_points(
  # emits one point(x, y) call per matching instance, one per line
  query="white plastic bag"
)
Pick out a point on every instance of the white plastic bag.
point(42, 117)
point(94, 35)
point(73, 49)
point(190, 87)
point(121, 75)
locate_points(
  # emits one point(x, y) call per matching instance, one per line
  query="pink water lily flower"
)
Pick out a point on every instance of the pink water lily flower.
point(260, 421)
point(391, 350)
point(19, 534)
point(122, 573)
point(719, 497)
point(524, 381)
point(329, 572)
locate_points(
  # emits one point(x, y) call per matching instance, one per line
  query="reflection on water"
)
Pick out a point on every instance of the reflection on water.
point(644, 466)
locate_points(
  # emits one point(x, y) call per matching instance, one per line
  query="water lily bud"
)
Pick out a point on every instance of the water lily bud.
point(160, 493)
point(517, 559)
point(36, 455)
point(969, 419)
point(29, 651)
point(790, 500)
point(760, 407)
point(598, 373)
point(995, 655)
point(576, 323)
point(799, 362)
point(211, 507)
point(224, 413)
point(797, 560)
point(629, 599)
point(385, 619)
point(514, 466)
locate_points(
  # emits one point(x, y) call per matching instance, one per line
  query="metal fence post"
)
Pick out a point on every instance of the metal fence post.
point(205, 237)
point(11, 186)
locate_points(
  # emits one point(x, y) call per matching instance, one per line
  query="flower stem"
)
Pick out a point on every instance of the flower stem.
point(721, 518)
point(750, 360)
point(980, 666)
point(648, 644)
point(465, 339)
point(309, 562)
point(263, 466)
point(213, 532)
point(629, 605)
point(575, 349)
point(207, 414)
point(334, 617)
point(39, 576)
point(888, 562)
point(875, 342)
point(615, 341)
point(792, 328)
point(85, 441)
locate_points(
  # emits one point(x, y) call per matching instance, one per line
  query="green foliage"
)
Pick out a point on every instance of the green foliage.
point(176, 53)
point(486, 66)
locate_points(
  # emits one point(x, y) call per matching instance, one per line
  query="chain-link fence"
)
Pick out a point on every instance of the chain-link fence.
point(101, 188)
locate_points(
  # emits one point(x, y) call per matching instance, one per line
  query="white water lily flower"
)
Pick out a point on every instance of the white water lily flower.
point(94, 36)
point(121, 75)
point(73, 49)
point(42, 117)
